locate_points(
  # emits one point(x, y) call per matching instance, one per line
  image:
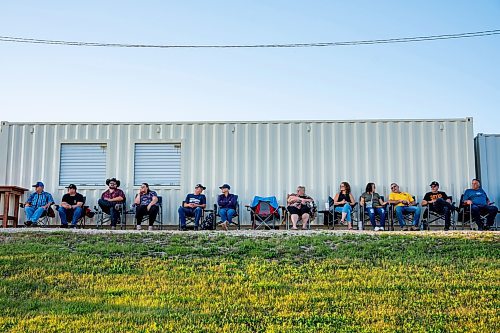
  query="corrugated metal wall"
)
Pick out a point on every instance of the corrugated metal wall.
point(257, 158)
point(487, 147)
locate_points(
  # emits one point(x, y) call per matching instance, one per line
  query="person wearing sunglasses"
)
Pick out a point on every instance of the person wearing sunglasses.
point(404, 204)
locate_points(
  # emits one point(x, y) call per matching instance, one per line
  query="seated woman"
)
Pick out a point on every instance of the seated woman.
point(298, 205)
point(343, 202)
point(373, 204)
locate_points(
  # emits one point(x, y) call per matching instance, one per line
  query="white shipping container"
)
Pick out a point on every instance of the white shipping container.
point(487, 148)
point(256, 158)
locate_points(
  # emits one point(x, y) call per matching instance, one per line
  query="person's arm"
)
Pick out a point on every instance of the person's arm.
point(203, 202)
point(362, 201)
point(220, 201)
point(466, 199)
point(426, 200)
point(153, 201)
point(64, 203)
point(291, 199)
point(353, 201)
point(50, 201)
point(448, 198)
point(137, 199)
point(233, 201)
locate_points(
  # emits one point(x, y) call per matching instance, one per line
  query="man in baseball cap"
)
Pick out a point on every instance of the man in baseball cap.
point(438, 202)
point(193, 206)
point(71, 208)
point(37, 204)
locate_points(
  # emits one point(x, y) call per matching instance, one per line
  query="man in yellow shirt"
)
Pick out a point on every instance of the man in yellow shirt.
point(404, 204)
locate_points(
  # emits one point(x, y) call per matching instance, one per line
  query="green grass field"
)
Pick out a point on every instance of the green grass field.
point(214, 282)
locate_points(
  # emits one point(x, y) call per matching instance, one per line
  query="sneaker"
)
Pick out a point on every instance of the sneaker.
point(446, 229)
point(404, 229)
point(139, 227)
point(28, 223)
point(376, 229)
point(195, 228)
point(150, 228)
point(113, 228)
point(64, 226)
point(184, 228)
point(73, 226)
point(412, 228)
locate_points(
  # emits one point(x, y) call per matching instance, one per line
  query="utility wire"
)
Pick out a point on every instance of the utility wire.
point(327, 44)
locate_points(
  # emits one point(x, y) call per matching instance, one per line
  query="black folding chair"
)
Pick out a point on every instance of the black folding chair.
point(431, 215)
point(190, 219)
point(103, 218)
point(159, 216)
point(236, 218)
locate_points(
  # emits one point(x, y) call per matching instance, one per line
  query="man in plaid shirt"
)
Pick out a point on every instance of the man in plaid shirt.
point(37, 203)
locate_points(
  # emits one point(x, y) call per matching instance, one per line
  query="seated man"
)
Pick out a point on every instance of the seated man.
point(479, 204)
point(441, 203)
point(299, 206)
point(37, 203)
point(146, 203)
point(110, 198)
point(193, 205)
point(404, 204)
point(71, 207)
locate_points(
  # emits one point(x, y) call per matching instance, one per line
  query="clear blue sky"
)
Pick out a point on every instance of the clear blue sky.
point(439, 79)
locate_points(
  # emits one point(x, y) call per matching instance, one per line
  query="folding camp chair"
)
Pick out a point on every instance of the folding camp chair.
point(47, 215)
point(103, 218)
point(336, 217)
point(85, 213)
point(236, 218)
point(465, 216)
point(264, 212)
point(431, 215)
point(159, 216)
point(364, 217)
point(190, 219)
point(408, 216)
point(312, 216)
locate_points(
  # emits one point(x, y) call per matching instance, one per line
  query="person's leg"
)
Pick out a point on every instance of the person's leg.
point(492, 213)
point(371, 213)
point(140, 211)
point(230, 214)
point(347, 209)
point(29, 210)
point(37, 214)
point(62, 215)
point(305, 220)
point(198, 211)
point(294, 218)
point(399, 215)
point(223, 214)
point(153, 212)
point(105, 205)
point(339, 210)
point(447, 216)
point(416, 214)
point(381, 213)
point(475, 212)
point(182, 216)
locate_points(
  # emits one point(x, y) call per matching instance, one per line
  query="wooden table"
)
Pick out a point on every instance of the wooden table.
point(6, 192)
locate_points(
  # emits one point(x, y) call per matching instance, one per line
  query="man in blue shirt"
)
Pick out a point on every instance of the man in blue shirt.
point(479, 203)
point(37, 203)
point(193, 205)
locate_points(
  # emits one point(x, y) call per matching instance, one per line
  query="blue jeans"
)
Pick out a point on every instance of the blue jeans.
point(400, 210)
point(33, 213)
point(77, 213)
point(376, 210)
point(345, 209)
point(227, 214)
point(196, 212)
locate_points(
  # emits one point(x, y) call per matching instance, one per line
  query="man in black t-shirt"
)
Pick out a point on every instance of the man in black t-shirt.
point(71, 207)
point(193, 205)
point(439, 202)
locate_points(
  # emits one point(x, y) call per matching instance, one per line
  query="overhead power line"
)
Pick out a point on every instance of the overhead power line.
point(325, 44)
